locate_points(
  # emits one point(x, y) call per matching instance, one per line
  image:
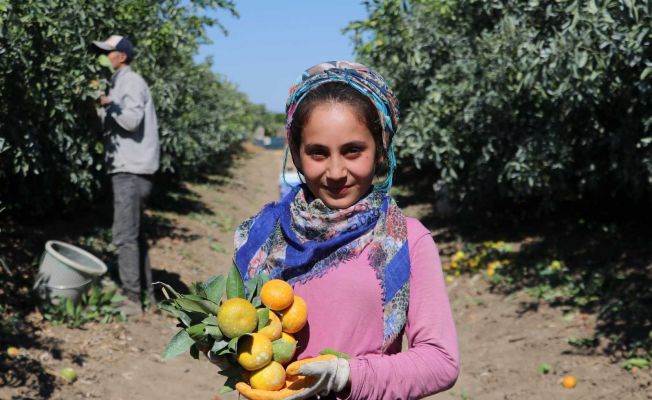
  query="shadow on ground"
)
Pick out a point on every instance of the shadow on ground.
point(22, 242)
point(605, 270)
point(169, 278)
point(29, 374)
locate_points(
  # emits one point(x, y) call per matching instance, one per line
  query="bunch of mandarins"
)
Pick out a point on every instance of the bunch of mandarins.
point(251, 331)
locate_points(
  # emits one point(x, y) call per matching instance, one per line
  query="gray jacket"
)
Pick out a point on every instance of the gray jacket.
point(131, 130)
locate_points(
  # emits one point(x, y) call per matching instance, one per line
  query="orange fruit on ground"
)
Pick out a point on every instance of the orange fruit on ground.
point(236, 317)
point(569, 382)
point(12, 352)
point(277, 295)
point(271, 377)
point(273, 328)
point(294, 317)
point(254, 351)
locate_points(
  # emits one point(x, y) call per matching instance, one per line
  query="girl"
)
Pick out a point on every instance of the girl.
point(367, 272)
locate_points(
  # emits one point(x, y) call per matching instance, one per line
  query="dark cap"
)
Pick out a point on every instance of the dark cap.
point(116, 43)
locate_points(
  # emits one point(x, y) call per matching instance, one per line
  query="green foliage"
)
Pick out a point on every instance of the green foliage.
point(197, 316)
point(98, 306)
point(234, 284)
point(50, 143)
point(9, 322)
point(539, 101)
point(179, 344)
point(636, 363)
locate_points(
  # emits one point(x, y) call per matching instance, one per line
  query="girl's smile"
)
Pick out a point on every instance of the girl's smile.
point(337, 155)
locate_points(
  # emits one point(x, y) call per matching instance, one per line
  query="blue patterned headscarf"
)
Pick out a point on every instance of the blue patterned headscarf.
point(300, 238)
point(364, 80)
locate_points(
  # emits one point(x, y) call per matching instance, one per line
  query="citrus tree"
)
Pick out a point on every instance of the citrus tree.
point(51, 148)
point(539, 101)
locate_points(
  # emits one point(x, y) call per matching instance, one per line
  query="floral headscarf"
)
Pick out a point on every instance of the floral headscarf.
point(363, 79)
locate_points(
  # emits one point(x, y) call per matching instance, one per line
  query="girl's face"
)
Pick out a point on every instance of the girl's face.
point(337, 155)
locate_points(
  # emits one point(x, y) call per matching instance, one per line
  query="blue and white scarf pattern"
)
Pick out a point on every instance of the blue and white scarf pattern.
point(297, 240)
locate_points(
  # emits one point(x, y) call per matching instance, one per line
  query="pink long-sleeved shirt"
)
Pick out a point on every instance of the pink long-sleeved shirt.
point(345, 312)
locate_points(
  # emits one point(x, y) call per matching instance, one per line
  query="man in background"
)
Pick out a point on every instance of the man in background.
point(132, 152)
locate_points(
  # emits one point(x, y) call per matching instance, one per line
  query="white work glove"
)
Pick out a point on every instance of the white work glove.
point(332, 376)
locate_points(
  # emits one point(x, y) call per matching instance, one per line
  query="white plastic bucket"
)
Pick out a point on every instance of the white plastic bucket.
point(66, 271)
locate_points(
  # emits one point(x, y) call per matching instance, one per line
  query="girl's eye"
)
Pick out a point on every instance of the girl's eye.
point(353, 151)
point(317, 153)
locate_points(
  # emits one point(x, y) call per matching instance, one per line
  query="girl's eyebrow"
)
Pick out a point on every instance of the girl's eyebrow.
point(314, 146)
point(359, 143)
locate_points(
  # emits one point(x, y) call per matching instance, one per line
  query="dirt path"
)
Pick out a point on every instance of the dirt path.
point(502, 339)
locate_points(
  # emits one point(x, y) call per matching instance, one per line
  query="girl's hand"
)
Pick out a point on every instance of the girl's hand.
point(331, 374)
point(295, 386)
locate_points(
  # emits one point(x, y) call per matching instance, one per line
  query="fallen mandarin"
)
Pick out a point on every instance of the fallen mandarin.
point(569, 382)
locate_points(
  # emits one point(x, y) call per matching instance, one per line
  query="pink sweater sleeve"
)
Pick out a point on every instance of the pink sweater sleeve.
point(431, 362)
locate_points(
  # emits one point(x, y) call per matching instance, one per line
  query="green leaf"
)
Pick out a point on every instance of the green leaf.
point(334, 352)
point(179, 344)
point(197, 304)
point(636, 362)
point(233, 343)
point(175, 312)
point(166, 288)
point(214, 288)
point(197, 289)
point(256, 302)
point(70, 307)
point(197, 332)
point(234, 284)
point(95, 296)
point(263, 278)
point(112, 297)
point(210, 320)
point(214, 332)
point(263, 317)
point(251, 286)
point(219, 345)
point(544, 368)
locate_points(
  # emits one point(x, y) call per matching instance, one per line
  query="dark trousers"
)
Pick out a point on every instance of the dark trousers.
point(130, 194)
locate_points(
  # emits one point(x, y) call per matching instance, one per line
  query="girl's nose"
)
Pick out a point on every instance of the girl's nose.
point(336, 169)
